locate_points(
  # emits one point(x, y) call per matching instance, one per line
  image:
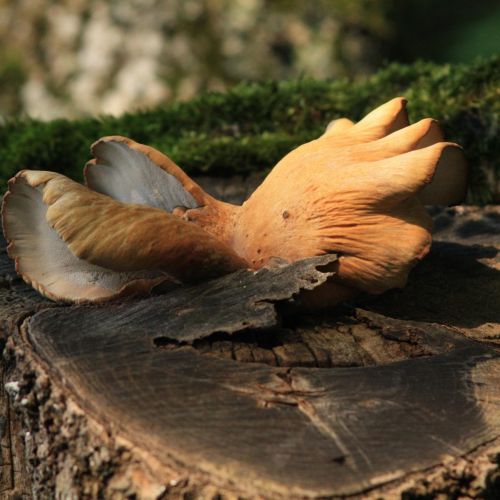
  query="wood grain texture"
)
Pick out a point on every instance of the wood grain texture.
point(174, 395)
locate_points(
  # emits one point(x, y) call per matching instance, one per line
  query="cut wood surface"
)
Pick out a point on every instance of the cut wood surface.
point(222, 389)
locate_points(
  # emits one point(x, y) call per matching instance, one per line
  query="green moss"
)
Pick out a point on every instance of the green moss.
point(252, 126)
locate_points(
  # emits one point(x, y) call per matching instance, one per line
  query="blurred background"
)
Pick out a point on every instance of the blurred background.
point(70, 58)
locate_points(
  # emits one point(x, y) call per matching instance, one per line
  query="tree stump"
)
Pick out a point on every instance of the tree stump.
point(225, 390)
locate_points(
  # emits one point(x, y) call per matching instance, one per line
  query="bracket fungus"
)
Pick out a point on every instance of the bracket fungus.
point(357, 191)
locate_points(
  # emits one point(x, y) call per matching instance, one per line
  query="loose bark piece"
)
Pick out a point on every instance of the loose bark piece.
point(239, 301)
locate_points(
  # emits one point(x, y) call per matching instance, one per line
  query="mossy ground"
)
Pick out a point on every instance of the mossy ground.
point(253, 125)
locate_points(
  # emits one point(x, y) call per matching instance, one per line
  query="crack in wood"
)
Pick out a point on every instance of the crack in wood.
point(363, 340)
